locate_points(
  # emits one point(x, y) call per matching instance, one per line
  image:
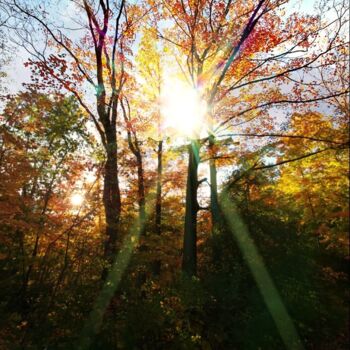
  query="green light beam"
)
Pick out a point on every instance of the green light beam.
point(115, 274)
point(267, 288)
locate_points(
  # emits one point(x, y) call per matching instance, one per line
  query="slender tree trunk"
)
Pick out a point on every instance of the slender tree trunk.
point(136, 151)
point(157, 263)
point(111, 197)
point(141, 191)
point(27, 276)
point(214, 203)
point(159, 189)
point(189, 261)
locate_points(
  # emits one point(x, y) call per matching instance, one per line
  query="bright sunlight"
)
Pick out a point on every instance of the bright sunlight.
point(77, 199)
point(182, 108)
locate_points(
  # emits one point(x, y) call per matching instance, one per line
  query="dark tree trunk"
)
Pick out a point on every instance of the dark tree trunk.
point(214, 203)
point(111, 197)
point(159, 189)
point(157, 263)
point(189, 261)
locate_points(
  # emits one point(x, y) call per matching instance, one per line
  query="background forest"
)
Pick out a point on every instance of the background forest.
point(174, 174)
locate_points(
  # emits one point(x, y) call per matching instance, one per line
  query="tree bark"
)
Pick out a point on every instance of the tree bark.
point(141, 191)
point(136, 151)
point(111, 197)
point(159, 188)
point(214, 203)
point(189, 261)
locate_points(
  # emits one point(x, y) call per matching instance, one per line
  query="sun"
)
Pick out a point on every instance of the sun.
point(182, 108)
point(76, 199)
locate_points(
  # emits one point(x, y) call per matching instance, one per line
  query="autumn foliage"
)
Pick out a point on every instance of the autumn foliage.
point(124, 226)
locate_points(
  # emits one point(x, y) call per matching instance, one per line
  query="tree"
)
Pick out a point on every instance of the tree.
point(228, 55)
point(134, 145)
point(150, 69)
point(40, 139)
point(325, 211)
point(98, 60)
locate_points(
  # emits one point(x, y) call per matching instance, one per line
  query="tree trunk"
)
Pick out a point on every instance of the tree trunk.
point(159, 189)
point(136, 151)
point(189, 261)
point(111, 197)
point(157, 263)
point(214, 203)
point(141, 191)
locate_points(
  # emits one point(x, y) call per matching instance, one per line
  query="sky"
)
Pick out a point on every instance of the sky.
point(18, 74)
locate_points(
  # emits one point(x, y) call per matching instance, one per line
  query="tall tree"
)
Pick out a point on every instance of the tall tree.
point(228, 55)
point(149, 66)
point(96, 57)
point(44, 134)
